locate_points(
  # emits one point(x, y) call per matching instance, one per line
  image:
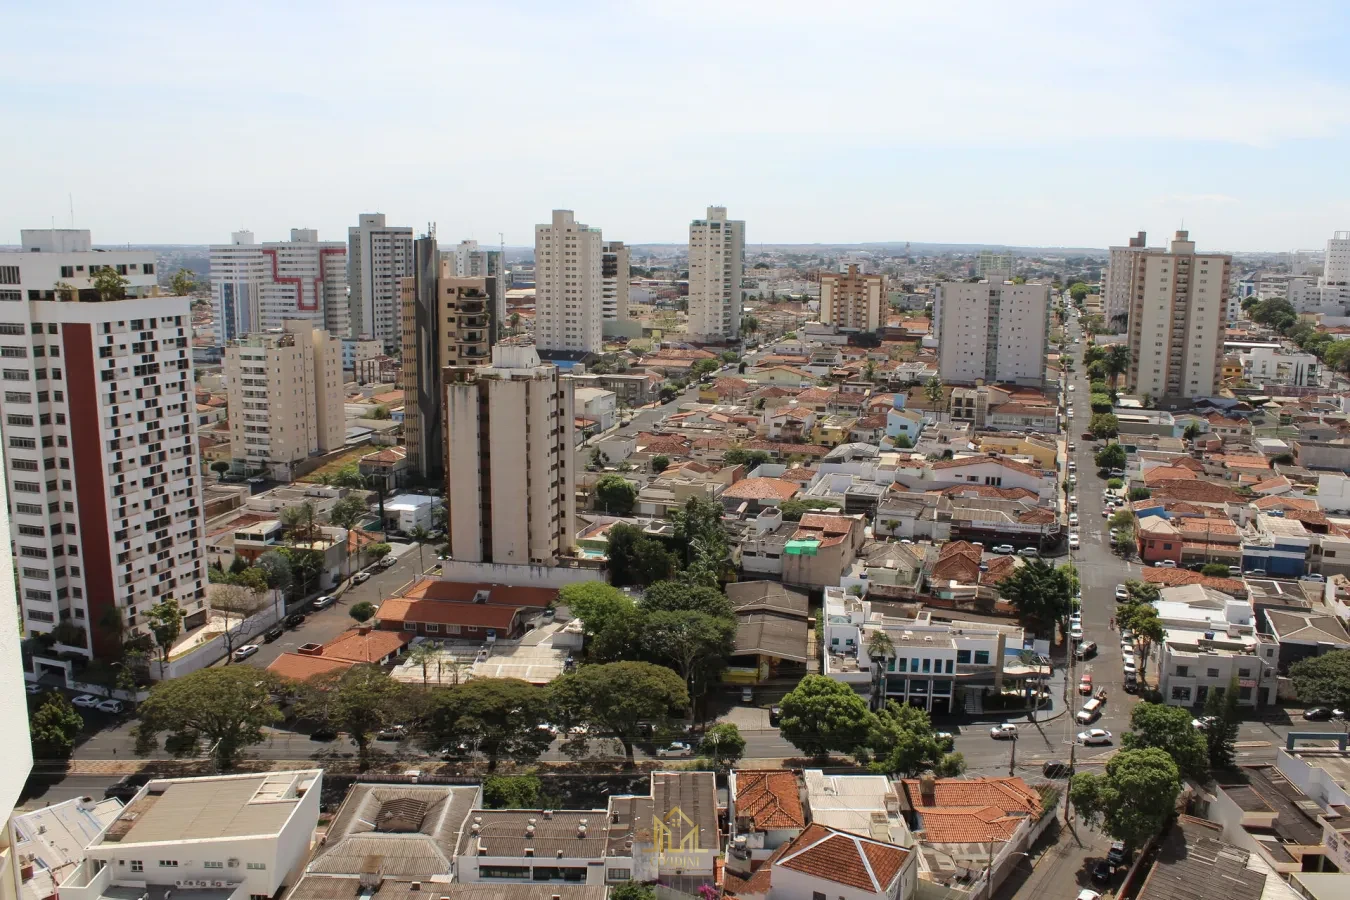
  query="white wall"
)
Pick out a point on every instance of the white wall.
point(13, 700)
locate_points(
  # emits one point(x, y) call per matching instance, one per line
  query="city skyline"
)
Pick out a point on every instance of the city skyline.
point(1020, 126)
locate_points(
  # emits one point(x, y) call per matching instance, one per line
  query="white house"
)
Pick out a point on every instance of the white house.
point(597, 404)
point(244, 835)
point(49, 843)
point(825, 863)
point(1211, 641)
point(405, 512)
point(993, 471)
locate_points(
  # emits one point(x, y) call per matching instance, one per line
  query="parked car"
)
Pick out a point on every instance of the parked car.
point(1165, 564)
point(1094, 736)
point(1119, 854)
point(1004, 549)
point(1006, 731)
point(1256, 573)
point(1131, 682)
point(1054, 768)
point(388, 561)
point(1086, 650)
point(244, 652)
point(360, 578)
point(1102, 871)
point(110, 706)
point(677, 750)
point(127, 788)
point(1318, 578)
point(1074, 541)
point(1203, 722)
point(323, 733)
point(295, 620)
point(545, 726)
point(392, 733)
point(1085, 685)
point(1122, 592)
point(775, 715)
point(1086, 894)
point(1235, 571)
point(325, 601)
point(1315, 714)
point(89, 701)
point(1073, 518)
point(747, 695)
point(32, 687)
point(1031, 552)
point(1117, 473)
point(946, 740)
point(273, 633)
point(1073, 501)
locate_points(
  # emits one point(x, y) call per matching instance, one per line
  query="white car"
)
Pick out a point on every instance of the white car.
point(1165, 564)
point(545, 726)
point(1006, 731)
point(1094, 736)
point(1074, 543)
point(677, 749)
point(1130, 668)
point(388, 561)
point(1122, 592)
point(325, 601)
point(244, 652)
point(1073, 501)
point(1075, 617)
point(110, 706)
point(32, 687)
point(360, 578)
point(1073, 518)
point(1202, 723)
point(1076, 630)
point(1071, 388)
point(87, 701)
point(1086, 894)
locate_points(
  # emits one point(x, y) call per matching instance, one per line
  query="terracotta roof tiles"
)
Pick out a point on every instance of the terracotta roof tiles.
point(846, 859)
point(769, 798)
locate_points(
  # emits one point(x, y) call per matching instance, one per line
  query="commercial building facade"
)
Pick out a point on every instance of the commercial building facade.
point(716, 268)
point(569, 306)
point(853, 301)
point(992, 332)
point(379, 257)
point(1177, 317)
point(285, 396)
point(510, 441)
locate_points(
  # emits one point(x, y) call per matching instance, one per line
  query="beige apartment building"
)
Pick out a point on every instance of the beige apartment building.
point(990, 331)
point(716, 268)
point(1177, 317)
point(1122, 269)
point(510, 459)
point(285, 394)
point(853, 301)
point(568, 285)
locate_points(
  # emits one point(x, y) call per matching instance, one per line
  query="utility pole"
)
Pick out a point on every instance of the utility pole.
point(989, 873)
point(1012, 758)
point(1068, 808)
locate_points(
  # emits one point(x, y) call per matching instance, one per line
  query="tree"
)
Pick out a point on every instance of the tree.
point(635, 558)
point(165, 620)
point(932, 389)
point(723, 744)
point(793, 510)
point(660, 463)
point(1117, 362)
point(1100, 403)
point(109, 284)
point(738, 456)
point(904, 741)
point(347, 513)
point(696, 645)
point(220, 467)
point(618, 697)
point(238, 601)
point(298, 521)
point(703, 367)
point(700, 538)
point(749, 324)
point(1112, 456)
point(1133, 798)
point(1041, 594)
point(1169, 729)
point(1323, 680)
point(376, 551)
point(227, 708)
point(667, 394)
point(360, 701)
point(672, 596)
point(1192, 432)
point(363, 611)
point(277, 570)
point(1078, 291)
point(1214, 570)
point(596, 604)
point(420, 536)
point(1104, 425)
point(616, 494)
point(902, 441)
point(1142, 619)
point(1221, 732)
point(821, 715)
point(1140, 493)
point(183, 283)
point(511, 792)
point(53, 727)
point(499, 717)
point(632, 890)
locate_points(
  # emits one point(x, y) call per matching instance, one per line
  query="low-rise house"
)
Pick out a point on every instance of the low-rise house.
point(355, 646)
point(789, 423)
point(1305, 633)
point(757, 493)
point(772, 631)
point(866, 805)
point(1277, 545)
point(1266, 814)
point(386, 469)
point(407, 831)
point(1210, 642)
point(833, 430)
point(48, 844)
point(990, 471)
point(1192, 855)
point(597, 405)
point(822, 862)
point(821, 549)
point(243, 836)
point(765, 812)
point(405, 512)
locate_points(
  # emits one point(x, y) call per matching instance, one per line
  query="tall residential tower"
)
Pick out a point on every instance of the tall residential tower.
point(569, 308)
point(257, 287)
point(379, 257)
point(992, 332)
point(1121, 272)
point(716, 267)
point(853, 301)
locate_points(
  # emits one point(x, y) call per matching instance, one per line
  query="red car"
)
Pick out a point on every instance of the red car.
point(1085, 686)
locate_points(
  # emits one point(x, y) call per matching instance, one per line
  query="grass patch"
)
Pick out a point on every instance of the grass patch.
point(333, 466)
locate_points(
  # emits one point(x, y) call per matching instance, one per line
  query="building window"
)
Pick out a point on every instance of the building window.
point(137, 865)
point(619, 875)
point(1244, 673)
point(1211, 673)
point(409, 626)
point(963, 657)
point(258, 866)
point(981, 657)
point(168, 863)
point(213, 865)
point(1183, 671)
point(1181, 693)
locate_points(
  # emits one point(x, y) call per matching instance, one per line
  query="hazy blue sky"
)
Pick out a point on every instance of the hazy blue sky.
point(1028, 123)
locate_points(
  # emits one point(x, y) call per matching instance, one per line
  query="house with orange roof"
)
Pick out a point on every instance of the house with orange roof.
point(813, 553)
point(825, 862)
point(759, 493)
point(362, 645)
point(789, 423)
point(448, 619)
point(765, 812)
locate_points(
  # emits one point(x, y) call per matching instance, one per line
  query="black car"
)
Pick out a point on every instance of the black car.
point(295, 620)
point(1056, 769)
point(323, 733)
point(126, 789)
point(775, 715)
point(1102, 871)
point(273, 633)
point(1317, 714)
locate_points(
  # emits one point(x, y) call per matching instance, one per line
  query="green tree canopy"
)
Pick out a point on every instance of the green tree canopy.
point(1112, 456)
point(1041, 594)
point(360, 701)
point(723, 744)
point(1133, 798)
point(54, 726)
point(674, 596)
point(793, 510)
point(905, 744)
point(1323, 679)
point(1104, 425)
point(1078, 291)
point(1100, 403)
point(739, 456)
point(660, 463)
point(619, 697)
point(1142, 619)
point(821, 715)
point(512, 791)
point(695, 644)
point(226, 708)
point(596, 604)
point(1169, 729)
point(500, 717)
point(616, 494)
point(1214, 570)
point(183, 283)
point(363, 611)
point(636, 558)
point(1222, 732)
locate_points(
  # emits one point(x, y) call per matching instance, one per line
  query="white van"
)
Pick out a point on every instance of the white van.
point(1091, 711)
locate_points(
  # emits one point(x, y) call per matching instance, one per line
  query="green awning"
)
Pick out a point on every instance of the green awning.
point(802, 548)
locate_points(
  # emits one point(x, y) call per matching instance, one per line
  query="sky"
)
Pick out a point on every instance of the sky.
point(1026, 124)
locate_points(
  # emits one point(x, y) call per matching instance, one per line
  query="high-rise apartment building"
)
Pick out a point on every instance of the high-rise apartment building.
point(569, 308)
point(995, 266)
point(99, 443)
point(1121, 271)
point(285, 395)
point(1330, 294)
point(716, 267)
point(447, 321)
point(614, 277)
point(13, 713)
point(257, 287)
point(995, 332)
point(853, 301)
point(379, 257)
point(510, 445)
point(471, 262)
point(1177, 318)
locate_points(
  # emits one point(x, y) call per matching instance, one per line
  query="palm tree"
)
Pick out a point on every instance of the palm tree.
point(879, 644)
point(299, 520)
point(932, 389)
point(421, 536)
point(1117, 362)
point(425, 655)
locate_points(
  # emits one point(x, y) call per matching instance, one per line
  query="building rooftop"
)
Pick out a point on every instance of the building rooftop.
point(767, 596)
point(769, 799)
point(52, 840)
point(845, 858)
point(227, 806)
point(402, 830)
point(349, 887)
point(1194, 863)
point(549, 834)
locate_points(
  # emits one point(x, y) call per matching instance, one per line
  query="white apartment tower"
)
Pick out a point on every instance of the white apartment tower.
point(99, 443)
point(379, 257)
point(257, 287)
point(614, 277)
point(1177, 318)
point(1121, 271)
point(852, 301)
point(716, 267)
point(510, 445)
point(286, 400)
point(1330, 295)
point(992, 332)
point(568, 288)
point(995, 266)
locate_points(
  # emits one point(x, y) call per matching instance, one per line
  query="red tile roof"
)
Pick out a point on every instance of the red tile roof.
point(497, 594)
point(1285, 503)
point(977, 460)
point(371, 647)
point(829, 530)
point(1195, 491)
point(1167, 473)
point(769, 798)
point(762, 489)
point(1173, 577)
point(845, 859)
point(441, 612)
point(1007, 794)
point(299, 667)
